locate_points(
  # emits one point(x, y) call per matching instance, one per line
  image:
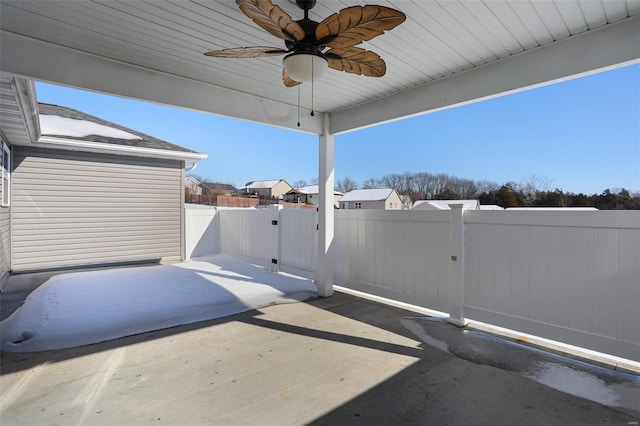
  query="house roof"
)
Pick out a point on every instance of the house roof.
point(67, 128)
point(367, 195)
point(214, 186)
point(490, 207)
point(261, 184)
point(554, 209)
point(444, 204)
point(69, 123)
point(310, 189)
point(314, 189)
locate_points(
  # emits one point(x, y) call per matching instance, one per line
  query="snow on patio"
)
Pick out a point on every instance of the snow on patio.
point(81, 308)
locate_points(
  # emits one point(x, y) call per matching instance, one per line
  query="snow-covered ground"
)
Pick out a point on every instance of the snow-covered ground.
point(81, 308)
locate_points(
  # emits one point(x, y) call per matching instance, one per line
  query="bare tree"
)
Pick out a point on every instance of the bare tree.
point(314, 181)
point(195, 176)
point(393, 181)
point(371, 183)
point(407, 184)
point(485, 187)
point(532, 186)
point(299, 183)
point(461, 188)
point(439, 185)
point(345, 185)
point(422, 182)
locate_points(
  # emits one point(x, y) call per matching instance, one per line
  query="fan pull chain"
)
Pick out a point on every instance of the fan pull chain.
point(312, 113)
point(298, 105)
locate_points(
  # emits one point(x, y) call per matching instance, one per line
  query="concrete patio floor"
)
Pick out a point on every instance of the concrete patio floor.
point(339, 360)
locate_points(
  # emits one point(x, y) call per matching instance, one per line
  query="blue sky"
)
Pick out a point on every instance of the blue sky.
point(582, 135)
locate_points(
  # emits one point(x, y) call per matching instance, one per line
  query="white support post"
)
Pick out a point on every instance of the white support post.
point(324, 277)
point(277, 249)
point(456, 268)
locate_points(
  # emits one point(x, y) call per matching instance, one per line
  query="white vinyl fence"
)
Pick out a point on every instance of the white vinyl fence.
point(249, 233)
point(298, 241)
point(570, 276)
point(567, 276)
point(201, 230)
point(290, 245)
point(401, 255)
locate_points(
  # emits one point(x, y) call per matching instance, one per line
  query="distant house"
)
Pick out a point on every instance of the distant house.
point(444, 204)
point(266, 188)
point(309, 195)
point(193, 185)
point(386, 199)
point(555, 209)
point(199, 188)
point(81, 191)
point(216, 188)
point(406, 202)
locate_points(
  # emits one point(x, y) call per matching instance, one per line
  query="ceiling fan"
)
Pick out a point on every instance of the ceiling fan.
point(307, 41)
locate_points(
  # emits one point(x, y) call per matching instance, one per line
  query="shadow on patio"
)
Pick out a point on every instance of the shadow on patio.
point(340, 360)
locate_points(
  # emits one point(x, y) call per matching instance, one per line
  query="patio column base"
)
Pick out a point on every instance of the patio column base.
point(457, 322)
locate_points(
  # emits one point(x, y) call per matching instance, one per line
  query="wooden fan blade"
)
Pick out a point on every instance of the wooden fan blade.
point(356, 61)
point(288, 81)
point(247, 52)
point(356, 24)
point(272, 19)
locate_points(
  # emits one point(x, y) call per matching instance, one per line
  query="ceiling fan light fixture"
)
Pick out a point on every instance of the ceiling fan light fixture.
point(305, 67)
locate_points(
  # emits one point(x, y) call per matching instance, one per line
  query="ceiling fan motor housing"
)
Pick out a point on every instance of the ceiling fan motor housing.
point(308, 44)
point(306, 4)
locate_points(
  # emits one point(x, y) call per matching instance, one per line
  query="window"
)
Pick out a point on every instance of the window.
point(358, 205)
point(5, 170)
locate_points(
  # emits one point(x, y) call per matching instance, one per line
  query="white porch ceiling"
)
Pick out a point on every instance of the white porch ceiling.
point(446, 53)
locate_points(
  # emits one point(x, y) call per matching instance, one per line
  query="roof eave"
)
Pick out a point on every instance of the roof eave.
point(79, 145)
point(25, 92)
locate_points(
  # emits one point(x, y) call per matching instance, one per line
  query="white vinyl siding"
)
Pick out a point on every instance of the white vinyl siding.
point(5, 213)
point(5, 244)
point(5, 173)
point(77, 209)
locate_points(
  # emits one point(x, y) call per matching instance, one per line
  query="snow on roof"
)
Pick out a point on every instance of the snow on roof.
point(258, 184)
point(82, 308)
point(310, 189)
point(490, 207)
point(367, 195)
point(444, 204)
point(63, 126)
point(68, 123)
point(555, 209)
point(314, 189)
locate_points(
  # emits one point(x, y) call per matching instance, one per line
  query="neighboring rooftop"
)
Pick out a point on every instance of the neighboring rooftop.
point(444, 204)
point(214, 186)
point(490, 207)
point(68, 123)
point(367, 195)
point(313, 189)
point(556, 209)
point(259, 184)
